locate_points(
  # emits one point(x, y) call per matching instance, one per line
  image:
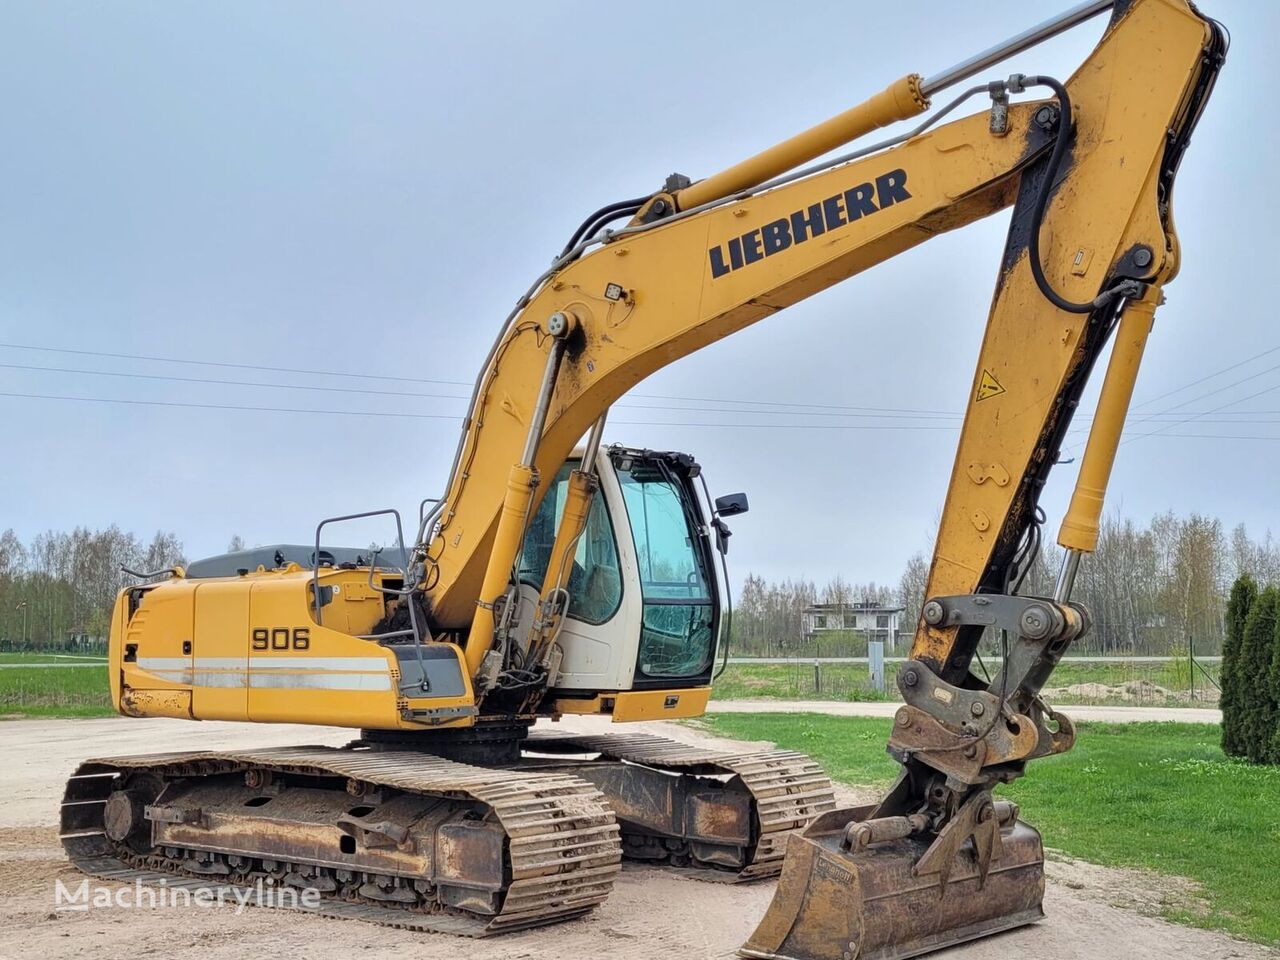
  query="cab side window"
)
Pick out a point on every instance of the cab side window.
point(595, 582)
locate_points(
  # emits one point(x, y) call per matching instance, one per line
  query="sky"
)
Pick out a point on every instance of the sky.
point(353, 195)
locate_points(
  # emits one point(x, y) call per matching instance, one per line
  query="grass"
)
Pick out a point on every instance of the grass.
point(849, 682)
point(55, 692)
point(86, 658)
point(1159, 796)
point(840, 681)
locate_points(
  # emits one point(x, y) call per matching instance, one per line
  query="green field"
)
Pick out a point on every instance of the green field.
point(73, 690)
point(10, 657)
point(849, 682)
point(78, 691)
point(1160, 796)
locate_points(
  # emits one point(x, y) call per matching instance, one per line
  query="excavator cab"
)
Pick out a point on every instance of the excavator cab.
point(645, 583)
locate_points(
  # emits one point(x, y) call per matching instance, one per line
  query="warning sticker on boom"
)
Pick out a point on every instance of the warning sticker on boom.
point(988, 387)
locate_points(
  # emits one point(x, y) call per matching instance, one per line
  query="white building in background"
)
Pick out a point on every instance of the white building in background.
point(872, 620)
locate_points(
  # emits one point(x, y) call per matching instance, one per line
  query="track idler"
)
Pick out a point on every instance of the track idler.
point(856, 888)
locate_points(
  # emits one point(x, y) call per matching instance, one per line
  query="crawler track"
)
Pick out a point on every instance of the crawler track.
point(559, 841)
point(786, 789)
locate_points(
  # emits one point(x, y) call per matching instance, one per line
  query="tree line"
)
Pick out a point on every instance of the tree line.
point(1153, 589)
point(57, 591)
point(1158, 588)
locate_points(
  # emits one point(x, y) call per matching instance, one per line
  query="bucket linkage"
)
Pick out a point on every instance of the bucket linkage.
point(939, 860)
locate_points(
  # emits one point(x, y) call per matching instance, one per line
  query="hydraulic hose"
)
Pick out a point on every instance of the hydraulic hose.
point(602, 216)
point(1066, 129)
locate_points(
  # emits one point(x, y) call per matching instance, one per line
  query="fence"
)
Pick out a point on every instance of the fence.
point(1137, 681)
point(79, 643)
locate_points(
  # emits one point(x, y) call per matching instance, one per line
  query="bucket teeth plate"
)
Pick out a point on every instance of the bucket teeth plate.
point(832, 904)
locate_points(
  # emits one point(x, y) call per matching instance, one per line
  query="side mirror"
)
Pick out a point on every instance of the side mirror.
point(731, 505)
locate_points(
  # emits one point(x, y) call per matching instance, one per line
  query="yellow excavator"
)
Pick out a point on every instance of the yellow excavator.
point(558, 575)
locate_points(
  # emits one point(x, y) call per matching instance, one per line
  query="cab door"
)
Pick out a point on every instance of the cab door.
point(597, 635)
point(680, 618)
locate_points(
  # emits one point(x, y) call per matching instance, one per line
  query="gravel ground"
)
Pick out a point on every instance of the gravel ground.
point(1094, 913)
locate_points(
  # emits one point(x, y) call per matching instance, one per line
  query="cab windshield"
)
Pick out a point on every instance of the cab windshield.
point(677, 635)
point(595, 580)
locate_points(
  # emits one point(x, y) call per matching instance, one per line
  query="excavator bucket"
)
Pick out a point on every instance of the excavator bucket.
point(869, 900)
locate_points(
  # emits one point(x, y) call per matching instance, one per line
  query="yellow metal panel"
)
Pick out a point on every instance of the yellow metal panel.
point(155, 652)
point(631, 705)
point(660, 704)
point(320, 676)
point(219, 675)
point(258, 654)
point(355, 606)
point(156, 703)
point(582, 707)
point(115, 646)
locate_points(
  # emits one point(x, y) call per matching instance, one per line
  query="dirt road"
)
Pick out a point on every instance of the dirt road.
point(1094, 913)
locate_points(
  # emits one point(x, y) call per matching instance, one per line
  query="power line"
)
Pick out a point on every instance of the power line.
point(227, 406)
point(444, 396)
point(894, 413)
point(231, 383)
point(1170, 411)
point(1234, 383)
point(795, 409)
point(632, 423)
point(918, 415)
point(460, 383)
point(781, 403)
point(891, 413)
point(1216, 373)
point(235, 366)
point(444, 416)
point(402, 393)
point(1197, 416)
point(1202, 436)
